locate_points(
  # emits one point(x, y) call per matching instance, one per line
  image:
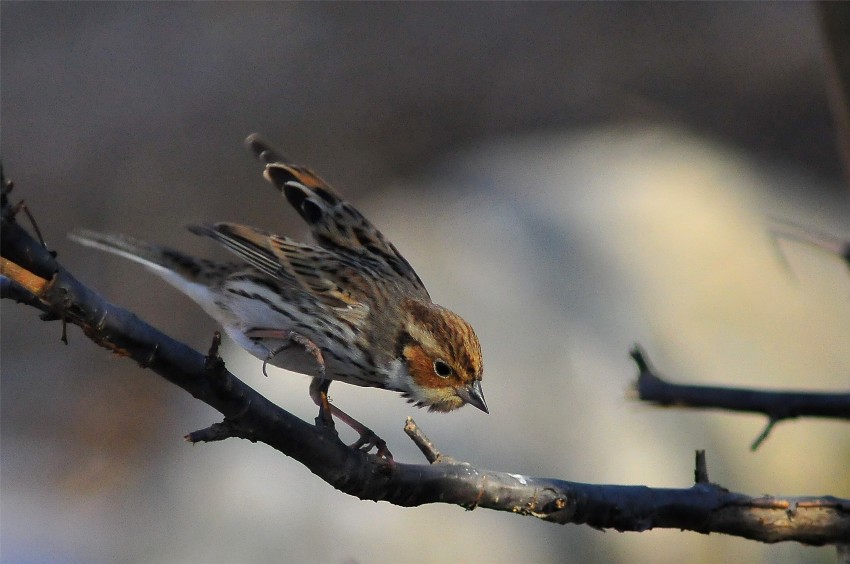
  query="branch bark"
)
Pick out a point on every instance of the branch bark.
point(704, 507)
point(777, 405)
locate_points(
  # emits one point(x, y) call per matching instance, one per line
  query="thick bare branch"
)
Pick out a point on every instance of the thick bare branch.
point(777, 405)
point(703, 508)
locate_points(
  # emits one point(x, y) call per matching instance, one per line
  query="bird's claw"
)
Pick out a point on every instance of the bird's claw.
point(369, 440)
point(324, 420)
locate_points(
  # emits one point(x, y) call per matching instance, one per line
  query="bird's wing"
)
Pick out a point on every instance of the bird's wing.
point(336, 225)
point(332, 280)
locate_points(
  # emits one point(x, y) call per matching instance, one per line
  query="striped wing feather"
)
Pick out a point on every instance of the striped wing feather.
point(335, 224)
point(316, 271)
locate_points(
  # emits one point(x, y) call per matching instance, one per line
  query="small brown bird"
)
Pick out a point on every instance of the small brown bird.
point(351, 301)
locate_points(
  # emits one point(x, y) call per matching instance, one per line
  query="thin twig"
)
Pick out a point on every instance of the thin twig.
point(421, 440)
point(701, 469)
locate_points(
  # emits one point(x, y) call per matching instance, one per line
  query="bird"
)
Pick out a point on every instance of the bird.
point(347, 307)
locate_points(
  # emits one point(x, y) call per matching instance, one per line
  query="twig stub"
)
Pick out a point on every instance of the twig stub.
point(422, 441)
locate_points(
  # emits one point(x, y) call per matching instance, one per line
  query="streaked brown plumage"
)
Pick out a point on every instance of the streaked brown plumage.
point(348, 308)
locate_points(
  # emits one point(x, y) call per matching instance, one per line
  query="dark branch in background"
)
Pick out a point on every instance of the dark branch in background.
point(835, 23)
point(777, 405)
point(791, 231)
point(703, 507)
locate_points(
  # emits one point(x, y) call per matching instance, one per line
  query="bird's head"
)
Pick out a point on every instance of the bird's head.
point(442, 356)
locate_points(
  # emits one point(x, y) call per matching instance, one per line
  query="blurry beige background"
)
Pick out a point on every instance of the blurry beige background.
point(572, 178)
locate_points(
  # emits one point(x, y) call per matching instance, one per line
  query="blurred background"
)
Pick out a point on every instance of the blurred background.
point(571, 178)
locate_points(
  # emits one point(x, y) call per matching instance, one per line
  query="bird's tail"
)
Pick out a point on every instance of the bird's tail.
point(179, 269)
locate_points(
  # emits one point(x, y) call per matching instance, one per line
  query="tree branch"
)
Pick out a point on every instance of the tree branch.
point(833, 245)
point(703, 508)
point(777, 405)
point(835, 21)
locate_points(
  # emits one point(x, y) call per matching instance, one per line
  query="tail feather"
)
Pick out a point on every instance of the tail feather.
point(163, 260)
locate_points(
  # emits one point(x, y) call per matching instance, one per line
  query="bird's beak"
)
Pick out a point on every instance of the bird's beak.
point(473, 395)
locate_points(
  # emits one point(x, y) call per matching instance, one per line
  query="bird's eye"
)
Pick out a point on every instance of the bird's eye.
point(442, 369)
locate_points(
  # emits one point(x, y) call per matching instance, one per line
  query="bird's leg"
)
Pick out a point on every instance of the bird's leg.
point(319, 394)
point(292, 336)
point(319, 385)
point(319, 390)
point(368, 438)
